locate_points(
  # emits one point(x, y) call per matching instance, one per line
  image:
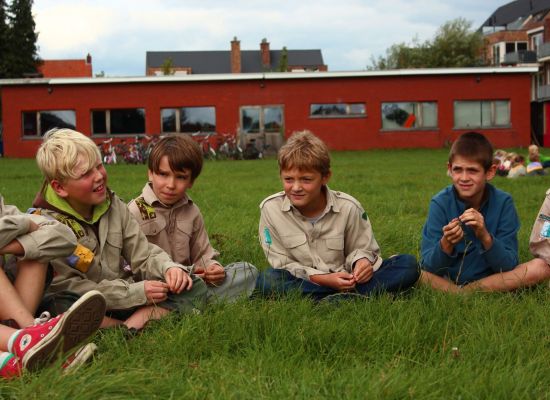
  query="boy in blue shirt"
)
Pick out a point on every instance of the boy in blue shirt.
point(469, 241)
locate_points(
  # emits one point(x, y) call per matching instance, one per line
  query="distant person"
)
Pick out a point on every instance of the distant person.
point(534, 167)
point(319, 242)
point(518, 167)
point(26, 343)
point(172, 221)
point(469, 240)
point(139, 280)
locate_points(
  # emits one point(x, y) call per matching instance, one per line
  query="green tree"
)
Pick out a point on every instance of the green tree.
point(3, 39)
point(454, 45)
point(22, 53)
point(283, 61)
point(167, 67)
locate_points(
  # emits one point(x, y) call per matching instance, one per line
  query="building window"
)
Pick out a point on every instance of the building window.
point(124, 121)
point(37, 123)
point(337, 110)
point(409, 115)
point(261, 119)
point(481, 114)
point(188, 119)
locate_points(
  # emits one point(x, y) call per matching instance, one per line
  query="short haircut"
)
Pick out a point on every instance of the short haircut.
point(62, 150)
point(304, 151)
point(182, 153)
point(474, 146)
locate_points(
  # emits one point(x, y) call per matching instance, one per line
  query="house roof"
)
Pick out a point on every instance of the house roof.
point(219, 62)
point(65, 69)
point(514, 11)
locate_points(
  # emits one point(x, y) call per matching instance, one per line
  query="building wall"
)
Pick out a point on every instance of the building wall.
point(296, 96)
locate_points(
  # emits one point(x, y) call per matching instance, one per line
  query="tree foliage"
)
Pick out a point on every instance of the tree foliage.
point(454, 45)
point(167, 67)
point(21, 52)
point(283, 61)
point(3, 39)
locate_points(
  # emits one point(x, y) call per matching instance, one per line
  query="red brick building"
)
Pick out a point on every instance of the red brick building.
point(349, 110)
point(76, 68)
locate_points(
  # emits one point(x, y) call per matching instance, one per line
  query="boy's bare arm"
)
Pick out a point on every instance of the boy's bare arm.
point(14, 247)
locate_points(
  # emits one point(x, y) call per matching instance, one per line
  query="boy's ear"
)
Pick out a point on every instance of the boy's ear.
point(491, 172)
point(326, 178)
point(58, 188)
point(150, 175)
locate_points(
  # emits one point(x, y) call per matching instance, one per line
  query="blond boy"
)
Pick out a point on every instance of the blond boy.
point(469, 240)
point(139, 280)
point(319, 242)
point(171, 220)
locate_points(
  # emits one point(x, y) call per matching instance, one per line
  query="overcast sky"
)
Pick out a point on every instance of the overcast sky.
point(117, 33)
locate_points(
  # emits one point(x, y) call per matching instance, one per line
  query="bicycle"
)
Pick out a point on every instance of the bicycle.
point(108, 154)
point(229, 147)
point(203, 140)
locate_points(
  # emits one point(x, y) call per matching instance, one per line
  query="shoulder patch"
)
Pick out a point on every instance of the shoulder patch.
point(81, 259)
point(146, 210)
point(273, 196)
point(34, 211)
point(77, 229)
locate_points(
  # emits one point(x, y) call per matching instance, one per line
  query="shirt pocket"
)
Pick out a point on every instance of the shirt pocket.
point(296, 245)
point(111, 256)
point(333, 253)
point(152, 228)
point(182, 240)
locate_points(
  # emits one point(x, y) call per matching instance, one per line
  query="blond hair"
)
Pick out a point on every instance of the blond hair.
point(62, 150)
point(304, 151)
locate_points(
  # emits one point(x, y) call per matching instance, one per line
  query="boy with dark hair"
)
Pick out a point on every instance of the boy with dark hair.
point(172, 221)
point(320, 242)
point(138, 279)
point(469, 241)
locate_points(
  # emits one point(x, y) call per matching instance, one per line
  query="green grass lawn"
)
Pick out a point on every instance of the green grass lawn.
point(377, 348)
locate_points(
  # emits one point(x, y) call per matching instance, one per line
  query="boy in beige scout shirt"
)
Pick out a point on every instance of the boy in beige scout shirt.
point(36, 240)
point(539, 242)
point(318, 241)
point(172, 221)
point(138, 279)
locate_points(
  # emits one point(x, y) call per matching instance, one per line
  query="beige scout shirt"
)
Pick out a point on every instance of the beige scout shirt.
point(178, 229)
point(101, 265)
point(341, 236)
point(539, 242)
point(50, 240)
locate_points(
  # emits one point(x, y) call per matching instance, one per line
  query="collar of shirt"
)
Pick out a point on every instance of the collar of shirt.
point(332, 202)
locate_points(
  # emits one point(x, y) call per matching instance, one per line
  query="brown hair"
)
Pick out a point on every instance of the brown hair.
point(475, 146)
point(304, 151)
point(182, 153)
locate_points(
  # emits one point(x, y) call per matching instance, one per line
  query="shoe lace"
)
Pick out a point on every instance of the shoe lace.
point(44, 317)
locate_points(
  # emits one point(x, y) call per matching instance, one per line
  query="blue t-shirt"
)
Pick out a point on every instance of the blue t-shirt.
point(470, 261)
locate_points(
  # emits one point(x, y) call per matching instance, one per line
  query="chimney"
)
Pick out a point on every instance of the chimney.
point(266, 58)
point(546, 34)
point(235, 56)
point(88, 59)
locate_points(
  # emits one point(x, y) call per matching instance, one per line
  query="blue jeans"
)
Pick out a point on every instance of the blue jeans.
point(396, 274)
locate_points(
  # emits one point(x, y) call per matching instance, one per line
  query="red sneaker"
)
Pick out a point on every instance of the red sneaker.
point(37, 345)
point(79, 358)
point(9, 366)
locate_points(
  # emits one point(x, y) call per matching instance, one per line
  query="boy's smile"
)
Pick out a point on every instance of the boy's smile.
point(170, 186)
point(304, 190)
point(469, 179)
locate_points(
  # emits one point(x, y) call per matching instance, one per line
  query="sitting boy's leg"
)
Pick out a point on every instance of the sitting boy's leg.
point(396, 274)
point(12, 305)
point(437, 282)
point(240, 280)
point(188, 301)
point(275, 281)
point(30, 282)
point(143, 315)
point(524, 275)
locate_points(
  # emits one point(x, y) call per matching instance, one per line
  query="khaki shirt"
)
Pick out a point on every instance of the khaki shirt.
point(178, 229)
point(340, 237)
point(539, 242)
point(116, 261)
point(49, 241)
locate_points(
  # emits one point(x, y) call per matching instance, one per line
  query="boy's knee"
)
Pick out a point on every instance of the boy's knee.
point(538, 270)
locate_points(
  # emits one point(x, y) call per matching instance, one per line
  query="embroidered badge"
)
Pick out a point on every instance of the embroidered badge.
point(34, 211)
point(544, 217)
point(147, 211)
point(364, 216)
point(81, 259)
point(71, 223)
point(267, 236)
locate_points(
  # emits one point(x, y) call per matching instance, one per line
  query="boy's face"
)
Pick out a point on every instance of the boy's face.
point(303, 188)
point(469, 178)
point(86, 191)
point(170, 186)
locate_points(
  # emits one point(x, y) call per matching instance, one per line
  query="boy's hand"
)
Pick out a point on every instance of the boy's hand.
point(342, 281)
point(178, 280)
point(474, 219)
point(33, 226)
point(213, 275)
point(155, 291)
point(452, 234)
point(362, 271)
